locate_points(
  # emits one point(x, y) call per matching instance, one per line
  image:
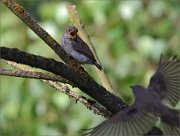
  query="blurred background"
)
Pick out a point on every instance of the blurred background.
point(128, 36)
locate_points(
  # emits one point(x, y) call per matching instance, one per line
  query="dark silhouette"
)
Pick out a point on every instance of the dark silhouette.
point(148, 106)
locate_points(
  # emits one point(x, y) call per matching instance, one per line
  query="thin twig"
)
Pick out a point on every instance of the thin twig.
point(34, 75)
point(63, 88)
point(88, 103)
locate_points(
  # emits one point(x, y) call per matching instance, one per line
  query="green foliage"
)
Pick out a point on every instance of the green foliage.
point(129, 37)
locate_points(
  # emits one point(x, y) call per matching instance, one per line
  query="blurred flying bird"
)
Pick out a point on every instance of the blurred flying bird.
point(77, 48)
point(149, 104)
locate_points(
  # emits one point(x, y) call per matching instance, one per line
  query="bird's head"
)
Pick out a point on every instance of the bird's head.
point(137, 89)
point(71, 32)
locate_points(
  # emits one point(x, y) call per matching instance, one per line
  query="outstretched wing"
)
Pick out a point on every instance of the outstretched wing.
point(130, 122)
point(167, 80)
point(83, 48)
point(170, 130)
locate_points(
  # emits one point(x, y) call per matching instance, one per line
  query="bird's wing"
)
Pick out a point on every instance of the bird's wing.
point(170, 130)
point(83, 48)
point(167, 80)
point(130, 122)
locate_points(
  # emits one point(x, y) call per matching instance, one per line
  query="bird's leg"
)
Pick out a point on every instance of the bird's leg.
point(77, 68)
point(79, 71)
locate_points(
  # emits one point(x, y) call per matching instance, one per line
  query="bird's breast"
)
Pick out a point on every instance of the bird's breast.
point(79, 57)
point(68, 47)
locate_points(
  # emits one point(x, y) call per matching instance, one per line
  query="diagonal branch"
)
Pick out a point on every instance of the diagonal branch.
point(90, 87)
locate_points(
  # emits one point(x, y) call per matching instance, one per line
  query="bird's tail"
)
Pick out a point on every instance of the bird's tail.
point(170, 121)
point(98, 66)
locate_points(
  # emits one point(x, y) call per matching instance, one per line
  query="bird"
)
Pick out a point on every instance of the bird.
point(149, 105)
point(77, 48)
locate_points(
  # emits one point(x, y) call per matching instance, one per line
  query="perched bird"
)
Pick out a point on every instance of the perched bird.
point(77, 48)
point(149, 104)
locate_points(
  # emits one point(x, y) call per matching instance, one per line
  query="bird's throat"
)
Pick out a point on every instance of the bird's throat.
point(73, 36)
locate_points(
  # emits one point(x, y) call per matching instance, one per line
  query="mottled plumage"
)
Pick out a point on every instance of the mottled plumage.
point(77, 48)
point(139, 118)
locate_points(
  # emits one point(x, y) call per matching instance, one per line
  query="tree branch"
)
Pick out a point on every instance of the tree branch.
point(89, 86)
point(63, 88)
